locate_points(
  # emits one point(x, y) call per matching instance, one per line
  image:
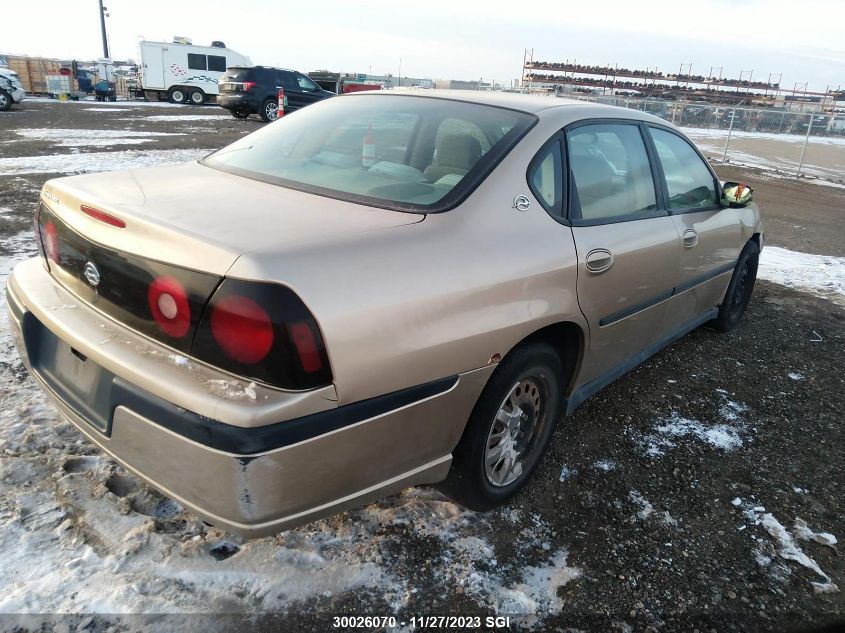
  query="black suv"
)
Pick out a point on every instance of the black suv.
point(255, 90)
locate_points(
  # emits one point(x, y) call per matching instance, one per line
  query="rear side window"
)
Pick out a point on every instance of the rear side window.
point(217, 63)
point(197, 62)
point(610, 171)
point(286, 80)
point(691, 185)
point(545, 179)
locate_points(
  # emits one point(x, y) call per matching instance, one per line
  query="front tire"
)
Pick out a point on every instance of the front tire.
point(739, 290)
point(509, 429)
point(269, 110)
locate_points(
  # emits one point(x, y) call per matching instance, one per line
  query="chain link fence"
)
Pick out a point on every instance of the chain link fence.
point(809, 144)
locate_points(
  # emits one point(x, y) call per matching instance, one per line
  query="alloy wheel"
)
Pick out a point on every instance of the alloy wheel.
point(518, 423)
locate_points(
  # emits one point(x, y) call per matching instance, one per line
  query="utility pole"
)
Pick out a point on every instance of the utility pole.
point(103, 29)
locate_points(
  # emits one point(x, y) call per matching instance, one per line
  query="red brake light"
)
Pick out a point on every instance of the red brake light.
point(264, 332)
point(50, 238)
point(306, 347)
point(242, 329)
point(248, 85)
point(103, 217)
point(169, 306)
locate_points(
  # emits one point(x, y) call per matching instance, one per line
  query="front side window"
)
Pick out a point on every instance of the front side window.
point(197, 62)
point(306, 84)
point(378, 149)
point(217, 63)
point(689, 181)
point(610, 171)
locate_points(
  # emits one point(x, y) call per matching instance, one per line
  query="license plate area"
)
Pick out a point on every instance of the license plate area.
point(78, 381)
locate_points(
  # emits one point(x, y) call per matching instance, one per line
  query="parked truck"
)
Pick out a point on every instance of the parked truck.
point(11, 89)
point(184, 73)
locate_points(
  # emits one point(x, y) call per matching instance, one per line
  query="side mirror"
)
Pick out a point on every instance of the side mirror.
point(735, 195)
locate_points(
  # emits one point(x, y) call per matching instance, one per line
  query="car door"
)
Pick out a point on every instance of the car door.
point(711, 236)
point(309, 91)
point(287, 80)
point(628, 247)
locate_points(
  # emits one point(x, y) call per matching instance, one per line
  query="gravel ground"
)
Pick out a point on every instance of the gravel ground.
point(692, 494)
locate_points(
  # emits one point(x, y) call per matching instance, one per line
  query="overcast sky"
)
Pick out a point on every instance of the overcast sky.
point(460, 39)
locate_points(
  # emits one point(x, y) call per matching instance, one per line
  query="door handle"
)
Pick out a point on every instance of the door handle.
point(599, 260)
point(690, 238)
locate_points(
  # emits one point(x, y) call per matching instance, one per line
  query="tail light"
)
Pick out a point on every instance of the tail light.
point(242, 329)
point(262, 331)
point(50, 241)
point(248, 85)
point(168, 303)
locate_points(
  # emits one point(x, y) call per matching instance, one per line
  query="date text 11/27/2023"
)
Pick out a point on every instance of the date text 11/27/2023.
point(422, 622)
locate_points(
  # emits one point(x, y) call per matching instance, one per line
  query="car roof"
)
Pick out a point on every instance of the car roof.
point(533, 104)
point(290, 70)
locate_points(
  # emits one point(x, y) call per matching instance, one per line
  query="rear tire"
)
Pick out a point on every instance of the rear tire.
point(176, 95)
point(739, 290)
point(197, 97)
point(269, 110)
point(5, 101)
point(509, 429)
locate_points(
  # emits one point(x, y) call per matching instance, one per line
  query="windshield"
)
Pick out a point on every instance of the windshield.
point(401, 152)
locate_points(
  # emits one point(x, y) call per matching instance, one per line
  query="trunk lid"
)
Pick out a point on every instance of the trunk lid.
point(203, 219)
point(170, 235)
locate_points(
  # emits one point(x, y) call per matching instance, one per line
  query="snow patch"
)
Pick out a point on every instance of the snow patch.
point(63, 137)
point(786, 547)
point(605, 465)
point(822, 274)
point(97, 161)
point(720, 436)
point(567, 473)
point(794, 375)
point(645, 507)
point(177, 118)
point(803, 532)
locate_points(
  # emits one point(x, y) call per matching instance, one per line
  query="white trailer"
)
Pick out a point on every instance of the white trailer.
point(184, 73)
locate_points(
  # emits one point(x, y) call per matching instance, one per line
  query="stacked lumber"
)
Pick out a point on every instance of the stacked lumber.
point(33, 71)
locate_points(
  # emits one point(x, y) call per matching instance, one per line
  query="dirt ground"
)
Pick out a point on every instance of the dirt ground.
point(666, 526)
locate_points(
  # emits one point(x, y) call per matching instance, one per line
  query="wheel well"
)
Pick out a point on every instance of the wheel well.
point(567, 339)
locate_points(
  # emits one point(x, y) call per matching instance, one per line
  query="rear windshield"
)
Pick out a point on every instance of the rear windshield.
point(235, 74)
point(400, 152)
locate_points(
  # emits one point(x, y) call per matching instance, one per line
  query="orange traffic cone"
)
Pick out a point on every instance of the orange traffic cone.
point(283, 102)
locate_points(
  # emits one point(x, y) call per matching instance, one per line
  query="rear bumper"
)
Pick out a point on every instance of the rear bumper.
point(253, 479)
point(239, 102)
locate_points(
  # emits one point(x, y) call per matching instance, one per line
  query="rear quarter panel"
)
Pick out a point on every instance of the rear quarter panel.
point(411, 304)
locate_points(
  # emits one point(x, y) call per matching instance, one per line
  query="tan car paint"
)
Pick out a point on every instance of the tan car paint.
point(645, 255)
point(203, 219)
point(257, 494)
point(400, 299)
